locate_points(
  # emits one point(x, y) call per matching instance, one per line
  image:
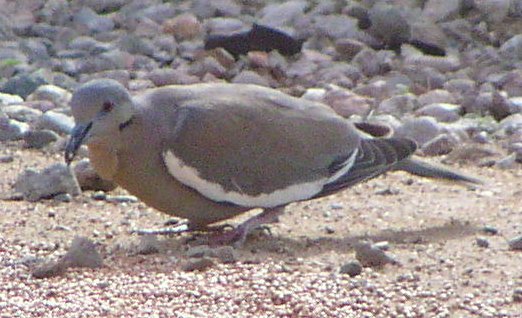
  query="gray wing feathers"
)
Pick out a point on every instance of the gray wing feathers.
point(375, 157)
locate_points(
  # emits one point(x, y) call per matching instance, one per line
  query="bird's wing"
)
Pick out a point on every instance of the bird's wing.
point(256, 151)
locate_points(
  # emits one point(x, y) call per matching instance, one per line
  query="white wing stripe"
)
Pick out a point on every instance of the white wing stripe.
point(190, 177)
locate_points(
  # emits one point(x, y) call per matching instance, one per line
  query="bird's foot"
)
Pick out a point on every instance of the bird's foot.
point(237, 236)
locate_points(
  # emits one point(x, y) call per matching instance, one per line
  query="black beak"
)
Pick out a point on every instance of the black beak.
point(78, 135)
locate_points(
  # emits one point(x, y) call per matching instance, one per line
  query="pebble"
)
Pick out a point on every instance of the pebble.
point(421, 129)
point(22, 113)
point(490, 230)
point(352, 268)
point(517, 295)
point(55, 179)
point(197, 264)
point(9, 99)
point(515, 244)
point(11, 129)
point(482, 242)
point(82, 253)
point(57, 122)
point(121, 198)
point(148, 244)
point(443, 112)
point(371, 256)
point(22, 85)
point(52, 93)
point(38, 139)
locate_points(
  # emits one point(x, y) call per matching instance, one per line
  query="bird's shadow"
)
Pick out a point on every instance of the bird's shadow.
point(304, 246)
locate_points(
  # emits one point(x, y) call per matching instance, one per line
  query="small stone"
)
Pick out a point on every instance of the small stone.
point(198, 251)
point(371, 256)
point(226, 254)
point(53, 180)
point(22, 85)
point(87, 19)
point(10, 99)
point(82, 253)
point(515, 244)
point(250, 77)
point(38, 139)
point(482, 242)
point(52, 93)
point(57, 122)
point(11, 129)
point(398, 105)
point(440, 145)
point(6, 159)
point(149, 244)
point(436, 96)
point(382, 245)
point(348, 48)
point(329, 230)
point(507, 162)
point(50, 269)
point(22, 113)
point(517, 295)
point(63, 197)
point(490, 230)
point(353, 268)
point(183, 27)
point(443, 112)
point(121, 198)
point(99, 195)
point(421, 129)
point(198, 264)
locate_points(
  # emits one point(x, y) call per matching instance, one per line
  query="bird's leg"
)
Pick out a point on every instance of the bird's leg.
point(237, 235)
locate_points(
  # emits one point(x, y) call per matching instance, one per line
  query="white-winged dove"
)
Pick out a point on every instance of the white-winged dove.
point(209, 152)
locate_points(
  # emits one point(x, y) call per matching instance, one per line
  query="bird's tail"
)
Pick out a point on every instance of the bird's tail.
point(424, 169)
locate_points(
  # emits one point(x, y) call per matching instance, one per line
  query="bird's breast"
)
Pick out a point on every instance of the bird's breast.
point(104, 160)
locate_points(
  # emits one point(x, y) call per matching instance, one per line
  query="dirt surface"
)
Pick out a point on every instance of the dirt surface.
point(431, 227)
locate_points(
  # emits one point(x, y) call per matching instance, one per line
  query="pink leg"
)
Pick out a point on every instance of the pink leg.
point(238, 235)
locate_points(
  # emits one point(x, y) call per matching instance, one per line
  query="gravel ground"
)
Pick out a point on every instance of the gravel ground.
point(294, 272)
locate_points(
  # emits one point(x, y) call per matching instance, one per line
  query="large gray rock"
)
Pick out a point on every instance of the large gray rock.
point(56, 179)
point(443, 112)
point(40, 138)
point(9, 99)
point(11, 129)
point(421, 129)
point(22, 113)
point(52, 93)
point(57, 122)
point(88, 20)
point(282, 14)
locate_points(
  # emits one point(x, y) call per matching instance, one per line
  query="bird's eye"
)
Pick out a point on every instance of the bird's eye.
point(107, 106)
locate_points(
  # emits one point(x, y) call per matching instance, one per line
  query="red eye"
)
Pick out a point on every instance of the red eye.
point(107, 107)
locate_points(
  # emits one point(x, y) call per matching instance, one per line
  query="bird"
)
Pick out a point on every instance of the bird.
point(209, 152)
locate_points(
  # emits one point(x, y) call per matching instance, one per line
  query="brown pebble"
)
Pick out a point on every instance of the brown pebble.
point(197, 264)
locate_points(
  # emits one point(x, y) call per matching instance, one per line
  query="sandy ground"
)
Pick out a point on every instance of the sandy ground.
point(431, 227)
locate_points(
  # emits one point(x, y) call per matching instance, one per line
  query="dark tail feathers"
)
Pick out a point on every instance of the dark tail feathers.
point(424, 169)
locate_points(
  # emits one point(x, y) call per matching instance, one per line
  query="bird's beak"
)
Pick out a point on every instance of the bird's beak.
point(78, 135)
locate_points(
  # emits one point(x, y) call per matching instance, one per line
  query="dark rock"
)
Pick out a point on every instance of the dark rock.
point(259, 38)
point(482, 242)
point(11, 129)
point(39, 138)
point(353, 268)
point(22, 85)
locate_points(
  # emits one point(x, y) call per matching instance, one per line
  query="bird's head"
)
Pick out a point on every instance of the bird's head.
point(101, 109)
